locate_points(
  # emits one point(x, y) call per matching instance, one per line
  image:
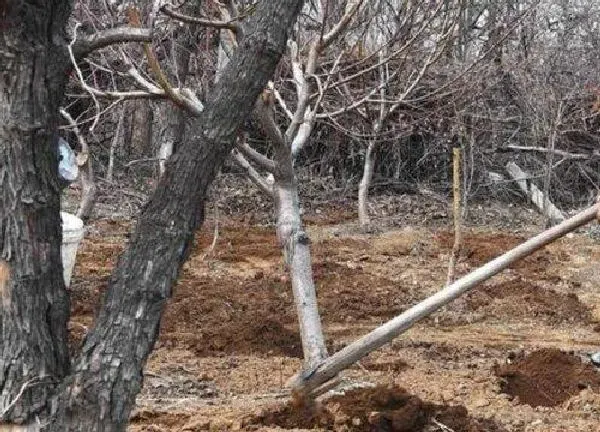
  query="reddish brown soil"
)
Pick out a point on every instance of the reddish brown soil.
point(229, 338)
point(231, 317)
point(478, 249)
point(236, 243)
point(383, 408)
point(547, 377)
point(341, 294)
point(520, 298)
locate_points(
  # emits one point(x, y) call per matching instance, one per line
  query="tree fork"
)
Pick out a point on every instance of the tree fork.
point(99, 394)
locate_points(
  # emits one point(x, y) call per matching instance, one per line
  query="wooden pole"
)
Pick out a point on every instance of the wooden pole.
point(456, 215)
point(304, 383)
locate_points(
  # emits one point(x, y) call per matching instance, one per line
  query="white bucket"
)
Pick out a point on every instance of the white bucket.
point(72, 233)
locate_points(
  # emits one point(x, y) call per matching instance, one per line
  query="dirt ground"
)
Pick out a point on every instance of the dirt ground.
point(511, 356)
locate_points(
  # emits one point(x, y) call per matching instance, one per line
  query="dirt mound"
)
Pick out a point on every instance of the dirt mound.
point(227, 316)
point(384, 364)
point(480, 248)
point(294, 415)
point(375, 409)
point(519, 298)
point(248, 336)
point(547, 377)
point(350, 294)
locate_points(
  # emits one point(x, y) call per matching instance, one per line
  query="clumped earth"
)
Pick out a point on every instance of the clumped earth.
point(229, 337)
point(547, 377)
point(382, 408)
point(520, 298)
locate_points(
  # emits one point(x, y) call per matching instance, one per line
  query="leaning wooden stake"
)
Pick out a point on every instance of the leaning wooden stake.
point(305, 382)
point(456, 215)
point(534, 194)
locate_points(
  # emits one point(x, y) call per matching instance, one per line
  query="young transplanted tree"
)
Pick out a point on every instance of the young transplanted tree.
point(306, 50)
point(98, 391)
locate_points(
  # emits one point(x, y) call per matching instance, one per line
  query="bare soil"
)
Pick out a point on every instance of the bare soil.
point(535, 381)
point(380, 408)
point(512, 357)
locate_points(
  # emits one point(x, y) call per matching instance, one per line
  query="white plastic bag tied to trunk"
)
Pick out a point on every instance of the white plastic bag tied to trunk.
point(67, 162)
point(72, 230)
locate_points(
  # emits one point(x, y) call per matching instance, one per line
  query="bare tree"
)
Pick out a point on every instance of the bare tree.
point(98, 392)
point(283, 187)
point(405, 50)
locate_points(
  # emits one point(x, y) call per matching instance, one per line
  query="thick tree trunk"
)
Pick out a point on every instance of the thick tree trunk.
point(185, 42)
point(34, 304)
point(99, 394)
point(141, 128)
point(365, 184)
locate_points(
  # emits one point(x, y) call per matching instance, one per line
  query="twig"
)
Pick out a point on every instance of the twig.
point(142, 160)
point(442, 426)
point(231, 24)
point(85, 86)
point(211, 248)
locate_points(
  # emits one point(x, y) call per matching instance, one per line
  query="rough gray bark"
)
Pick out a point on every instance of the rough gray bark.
point(142, 117)
point(100, 392)
point(184, 44)
point(34, 304)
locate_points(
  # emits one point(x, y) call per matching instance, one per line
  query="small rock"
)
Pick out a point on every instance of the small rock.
point(595, 358)
point(197, 425)
point(481, 402)
point(448, 396)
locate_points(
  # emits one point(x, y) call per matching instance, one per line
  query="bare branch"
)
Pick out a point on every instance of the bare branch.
point(85, 86)
point(280, 100)
point(360, 101)
point(101, 39)
point(252, 174)
point(334, 33)
point(302, 86)
point(76, 131)
point(259, 159)
point(396, 53)
point(176, 97)
point(564, 154)
point(232, 24)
